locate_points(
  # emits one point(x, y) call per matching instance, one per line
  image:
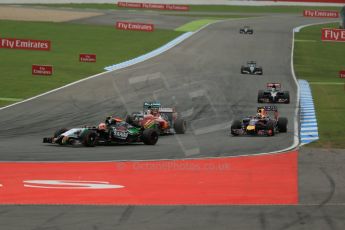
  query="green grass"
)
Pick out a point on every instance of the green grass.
point(320, 62)
point(329, 101)
point(68, 40)
point(4, 103)
point(195, 25)
point(205, 8)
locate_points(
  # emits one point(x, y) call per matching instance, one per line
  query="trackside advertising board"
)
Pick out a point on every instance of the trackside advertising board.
point(342, 73)
point(43, 70)
point(321, 13)
point(330, 34)
point(152, 6)
point(134, 26)
point(25, 44)
point(87, 57)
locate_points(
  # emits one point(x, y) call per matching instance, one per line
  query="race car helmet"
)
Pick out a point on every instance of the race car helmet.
point(110, 121)
point(102, 127)
point(148, 110)
point(262, 113)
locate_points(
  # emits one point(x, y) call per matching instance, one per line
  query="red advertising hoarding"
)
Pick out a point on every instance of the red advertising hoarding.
point(342, 73)
point(134, 26)
point(26, 44)
point(152, 6)
point(44, 70)
point(129, 4)
point(87, 57)
point(321, 13)
point(330, 34)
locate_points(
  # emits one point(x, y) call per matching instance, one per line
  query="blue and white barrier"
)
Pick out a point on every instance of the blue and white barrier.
point(308, 122)
point(151, 54)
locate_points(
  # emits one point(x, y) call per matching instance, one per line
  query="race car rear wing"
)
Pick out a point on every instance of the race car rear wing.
point(151, 104)
point(272, 85)
point(157, 105)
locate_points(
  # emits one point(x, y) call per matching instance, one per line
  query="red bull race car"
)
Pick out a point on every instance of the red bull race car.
point(265, 122)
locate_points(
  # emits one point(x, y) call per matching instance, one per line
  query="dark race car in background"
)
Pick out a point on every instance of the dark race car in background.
point(246, 30)
point(273, 94)
point(266, 122)
point(163, 119)
point(118, 133)
point(251, 68)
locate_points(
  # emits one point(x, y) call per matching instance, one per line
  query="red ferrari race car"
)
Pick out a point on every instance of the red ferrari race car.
point(154, 116)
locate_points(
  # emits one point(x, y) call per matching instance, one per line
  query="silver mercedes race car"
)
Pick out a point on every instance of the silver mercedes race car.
point(251, 68)
point(246, 30)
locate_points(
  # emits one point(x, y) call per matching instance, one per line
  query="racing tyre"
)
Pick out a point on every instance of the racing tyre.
point(282, 124)
point(262, 71)
point(270, 129)
point(237, 124)
point(89, 138)
point(150, 137)
point(180, 126)
point(242, 68)
point(260, 96)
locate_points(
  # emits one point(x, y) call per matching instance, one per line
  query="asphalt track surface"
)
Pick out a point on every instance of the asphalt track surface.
point(209, 61)
point(201, 77)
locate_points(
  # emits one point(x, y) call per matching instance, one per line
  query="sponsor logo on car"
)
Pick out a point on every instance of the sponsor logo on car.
point(25, 44)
